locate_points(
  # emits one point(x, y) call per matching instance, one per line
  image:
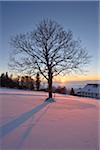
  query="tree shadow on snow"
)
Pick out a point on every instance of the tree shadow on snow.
point(17, 145)
point(10, 126)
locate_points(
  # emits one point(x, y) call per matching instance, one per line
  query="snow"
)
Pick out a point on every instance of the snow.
point(29, 123)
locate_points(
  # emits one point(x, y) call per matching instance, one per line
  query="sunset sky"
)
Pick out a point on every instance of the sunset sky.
point(80, 17)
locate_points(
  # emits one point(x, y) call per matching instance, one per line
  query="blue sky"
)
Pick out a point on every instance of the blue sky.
point(80, 17)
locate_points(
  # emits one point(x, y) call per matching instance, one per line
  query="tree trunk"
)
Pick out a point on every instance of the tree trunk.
point(50, 86)
point(50, 91)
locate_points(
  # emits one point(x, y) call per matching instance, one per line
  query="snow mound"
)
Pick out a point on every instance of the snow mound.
point(50, 100)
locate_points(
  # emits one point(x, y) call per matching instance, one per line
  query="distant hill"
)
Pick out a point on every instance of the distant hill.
point(79, 84)
point(71, 84)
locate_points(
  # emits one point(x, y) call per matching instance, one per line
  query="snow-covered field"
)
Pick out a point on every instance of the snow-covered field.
point(29, 123)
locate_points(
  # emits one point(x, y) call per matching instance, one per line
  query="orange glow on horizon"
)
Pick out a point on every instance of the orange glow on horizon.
point(65, 79)
point(68, 78)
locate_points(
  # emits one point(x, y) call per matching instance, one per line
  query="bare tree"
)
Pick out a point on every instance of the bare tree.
point(48, 49)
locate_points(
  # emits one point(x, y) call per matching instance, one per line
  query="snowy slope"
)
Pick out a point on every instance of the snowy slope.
point(27, 123)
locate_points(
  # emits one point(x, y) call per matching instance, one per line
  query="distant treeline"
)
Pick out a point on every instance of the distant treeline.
point(60, 90)
point(27, 82)
point(20, 82)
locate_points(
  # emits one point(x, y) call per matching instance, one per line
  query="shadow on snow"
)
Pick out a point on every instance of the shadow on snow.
point(17, 144)
point(7, 128)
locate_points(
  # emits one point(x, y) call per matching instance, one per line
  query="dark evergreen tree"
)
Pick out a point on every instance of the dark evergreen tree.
point(38, 81)
point(72, 92)
point(31, 84)
point(2, 80)
point(16, 81)
point(22, 82)
point(7, 80)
